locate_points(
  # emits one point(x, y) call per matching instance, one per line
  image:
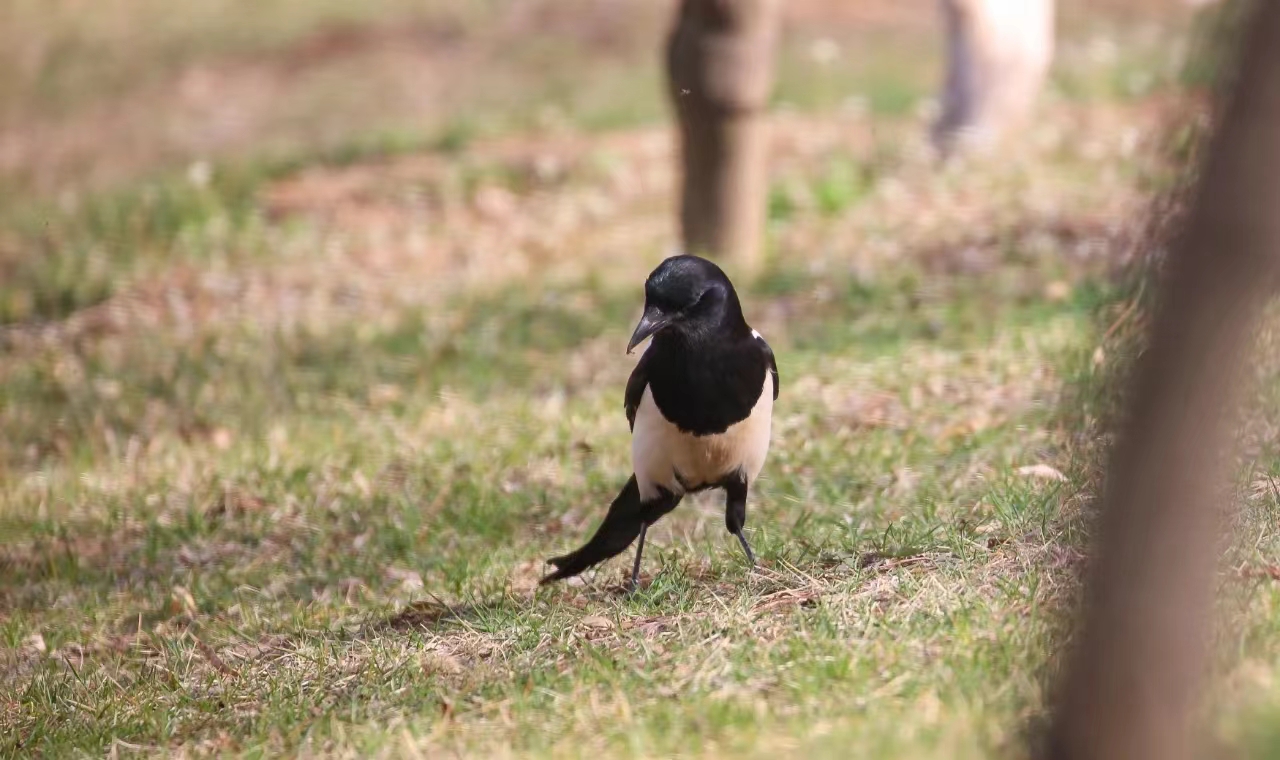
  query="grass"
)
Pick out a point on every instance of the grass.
point(306, 543)
point(263, 531)
point(286, 442)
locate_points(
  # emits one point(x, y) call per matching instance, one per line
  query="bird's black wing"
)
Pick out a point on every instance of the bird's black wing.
point(635, 387)
point(773, 363)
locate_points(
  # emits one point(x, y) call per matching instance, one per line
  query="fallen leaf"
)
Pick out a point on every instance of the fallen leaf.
point(787, 598)
point(410, 580)
point(36, 641)
point(350, 587)
point(383, 394)
point(1057, 290)
point(438, 662)
point(214, 659)
point(1042, 471)
point(597, 622)
point(222, 438)
point(182, 602)
point(652, 627)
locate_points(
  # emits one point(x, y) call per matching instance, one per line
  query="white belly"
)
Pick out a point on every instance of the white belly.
point(659, 450)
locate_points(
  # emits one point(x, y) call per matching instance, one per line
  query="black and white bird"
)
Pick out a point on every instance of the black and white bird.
point(700, 403)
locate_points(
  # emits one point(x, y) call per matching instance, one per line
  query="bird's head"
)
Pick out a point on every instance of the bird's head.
point(690, 296)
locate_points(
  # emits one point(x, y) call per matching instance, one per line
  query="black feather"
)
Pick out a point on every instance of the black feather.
point(621, 526)
point(773, 363)
point(706, 369)
point(636, 384)
point(705, 386)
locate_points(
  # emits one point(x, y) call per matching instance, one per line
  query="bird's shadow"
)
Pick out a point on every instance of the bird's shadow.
point(434, 615)
point(615, 591)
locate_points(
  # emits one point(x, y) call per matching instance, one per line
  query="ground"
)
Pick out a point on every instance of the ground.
point(313, 325)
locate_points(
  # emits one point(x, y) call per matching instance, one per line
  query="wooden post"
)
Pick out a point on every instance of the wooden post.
point(998, 55)
point(720, 59)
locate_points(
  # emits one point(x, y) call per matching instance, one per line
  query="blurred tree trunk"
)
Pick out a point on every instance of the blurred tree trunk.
point(1135, 672)
point(720, 58)
point(998, 54)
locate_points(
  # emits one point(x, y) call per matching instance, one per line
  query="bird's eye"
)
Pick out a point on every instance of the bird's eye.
point(707, 297)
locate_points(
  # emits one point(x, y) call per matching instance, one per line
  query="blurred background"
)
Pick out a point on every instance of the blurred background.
point(312, 330)
point(96, 93)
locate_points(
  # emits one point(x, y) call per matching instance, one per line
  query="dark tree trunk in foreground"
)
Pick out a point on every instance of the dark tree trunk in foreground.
point(720, 59)
point(1135, 673)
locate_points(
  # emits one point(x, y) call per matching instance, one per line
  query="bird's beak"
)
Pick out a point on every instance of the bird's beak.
point(652, 321)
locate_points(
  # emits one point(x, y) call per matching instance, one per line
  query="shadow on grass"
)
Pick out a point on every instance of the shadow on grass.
point(434, 615)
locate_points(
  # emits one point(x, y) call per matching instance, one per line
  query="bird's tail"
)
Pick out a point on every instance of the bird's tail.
point(620, 527)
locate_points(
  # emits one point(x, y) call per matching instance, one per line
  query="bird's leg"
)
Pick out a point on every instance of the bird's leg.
point(635, 569)
point(735, 512)
point(746, 547)
point(652, 512)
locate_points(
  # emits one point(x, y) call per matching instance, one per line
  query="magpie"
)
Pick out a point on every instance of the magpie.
point(699, 402)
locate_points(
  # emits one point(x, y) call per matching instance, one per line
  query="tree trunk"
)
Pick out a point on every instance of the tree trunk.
point(1135, 672)
point(998, 54)
point(720, 59)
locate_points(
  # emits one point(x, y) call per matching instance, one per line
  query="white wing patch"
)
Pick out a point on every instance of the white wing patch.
point(757, 335)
